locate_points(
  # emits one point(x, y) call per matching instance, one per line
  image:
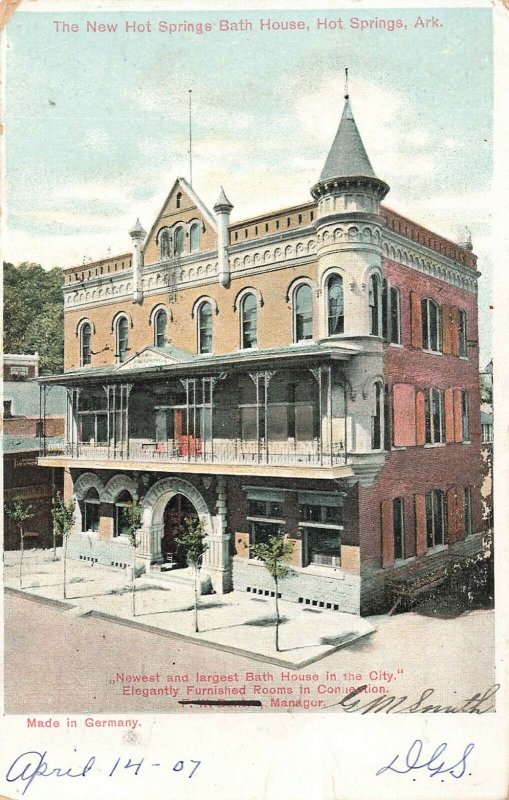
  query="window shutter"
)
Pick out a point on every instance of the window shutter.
point(458, 432)
point(415, 320)
point(446, 329)
point(404, 415)
point(420, 524)
point(449, 415)
point(455, 331)
point(420, 417)
point(387, 534)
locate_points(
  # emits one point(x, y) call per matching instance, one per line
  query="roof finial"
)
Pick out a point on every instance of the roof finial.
point(346, 84)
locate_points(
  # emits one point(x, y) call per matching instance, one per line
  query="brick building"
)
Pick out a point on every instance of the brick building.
point(312, 370)
point(22, 437)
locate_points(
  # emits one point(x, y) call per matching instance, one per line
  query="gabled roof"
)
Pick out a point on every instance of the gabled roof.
point(151, 356)
point(200, 205)
point(347, 156)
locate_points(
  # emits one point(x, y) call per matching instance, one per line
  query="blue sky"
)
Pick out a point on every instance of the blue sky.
point(97, 123)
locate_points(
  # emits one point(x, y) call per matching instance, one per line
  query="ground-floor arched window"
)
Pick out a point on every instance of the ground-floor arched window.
point(90, 516)
point(120, 522)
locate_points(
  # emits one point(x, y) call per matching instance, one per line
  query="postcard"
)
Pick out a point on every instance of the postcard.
point(254, 302)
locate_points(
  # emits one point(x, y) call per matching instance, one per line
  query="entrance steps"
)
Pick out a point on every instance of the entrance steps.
point(181, 577)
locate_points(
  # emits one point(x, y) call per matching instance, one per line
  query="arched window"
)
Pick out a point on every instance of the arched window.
point(90, 517)
point(122, 338)
point(164, 244)
point(374, 310)
point(120, 522)
point(194, 236)
point(431, 326)
point(179, 198)
point(249, 321)
point(85, 344)
point(179, 241)
point(335, 306)
point(376, 416)
point(205, 328)
point(160, 328)
point(434, 416)
point(303, 313)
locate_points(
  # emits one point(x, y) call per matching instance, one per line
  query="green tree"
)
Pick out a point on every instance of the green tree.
point(34, 312)
point(274, 554)
point(133, 515)
point(63, 520)
point(19, 512)
point(192, 541)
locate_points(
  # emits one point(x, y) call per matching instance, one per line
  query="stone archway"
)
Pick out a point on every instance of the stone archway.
point(153, 506)
point(216, 563)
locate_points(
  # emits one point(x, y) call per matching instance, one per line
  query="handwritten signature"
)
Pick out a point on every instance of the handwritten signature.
point(414, 759)
point(33, 764)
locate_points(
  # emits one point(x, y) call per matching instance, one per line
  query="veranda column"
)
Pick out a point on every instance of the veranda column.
point(317, 373)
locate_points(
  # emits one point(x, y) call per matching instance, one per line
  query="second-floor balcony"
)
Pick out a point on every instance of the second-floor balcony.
point(291, 414)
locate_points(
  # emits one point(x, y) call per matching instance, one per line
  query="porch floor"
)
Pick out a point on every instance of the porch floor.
point(235, 622)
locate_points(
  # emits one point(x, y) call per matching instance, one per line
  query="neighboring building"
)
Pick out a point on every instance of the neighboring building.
point(312, 370)
point(20, 367)
point(22, 437)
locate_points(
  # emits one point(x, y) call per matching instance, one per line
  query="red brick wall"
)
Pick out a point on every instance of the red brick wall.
point(418, 469)
point(27, 426)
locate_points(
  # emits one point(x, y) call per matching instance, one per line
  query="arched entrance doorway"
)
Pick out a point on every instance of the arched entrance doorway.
point(178, 509)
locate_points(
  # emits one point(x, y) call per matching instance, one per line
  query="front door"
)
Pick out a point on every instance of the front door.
point(178, 509)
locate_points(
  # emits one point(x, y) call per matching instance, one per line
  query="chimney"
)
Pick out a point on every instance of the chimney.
point(222, 209)
point(137, 234)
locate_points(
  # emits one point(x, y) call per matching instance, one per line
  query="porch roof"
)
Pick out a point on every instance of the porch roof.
point(151, 361)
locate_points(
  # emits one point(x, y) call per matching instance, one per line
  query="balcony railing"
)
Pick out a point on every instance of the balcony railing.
point(190, 450)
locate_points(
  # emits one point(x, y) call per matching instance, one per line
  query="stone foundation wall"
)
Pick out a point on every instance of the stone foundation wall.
point(339, 591)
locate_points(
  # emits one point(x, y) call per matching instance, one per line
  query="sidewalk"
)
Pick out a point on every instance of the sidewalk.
point(234, 622)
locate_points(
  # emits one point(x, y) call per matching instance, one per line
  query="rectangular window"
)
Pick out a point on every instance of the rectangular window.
point(435, 518)
point(265, 514)
point(434, 411)
point(468, 510)
point(431, 321)
point(398, 523)
point(462, 324)
point(465, 423)
point(248, 426)
point(321, 523)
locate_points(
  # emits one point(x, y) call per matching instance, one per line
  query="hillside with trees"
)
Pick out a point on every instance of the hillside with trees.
point(34, 313)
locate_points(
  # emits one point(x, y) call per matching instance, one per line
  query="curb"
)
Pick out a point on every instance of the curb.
point(143, 626)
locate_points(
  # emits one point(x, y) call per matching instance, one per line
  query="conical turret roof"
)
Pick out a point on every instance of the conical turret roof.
point(347, 156)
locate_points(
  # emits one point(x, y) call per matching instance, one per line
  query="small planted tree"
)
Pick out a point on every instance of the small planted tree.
point(19, 512)
point(133, 515)
point(192, 541)
point(274, 554)
point(63, 520)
